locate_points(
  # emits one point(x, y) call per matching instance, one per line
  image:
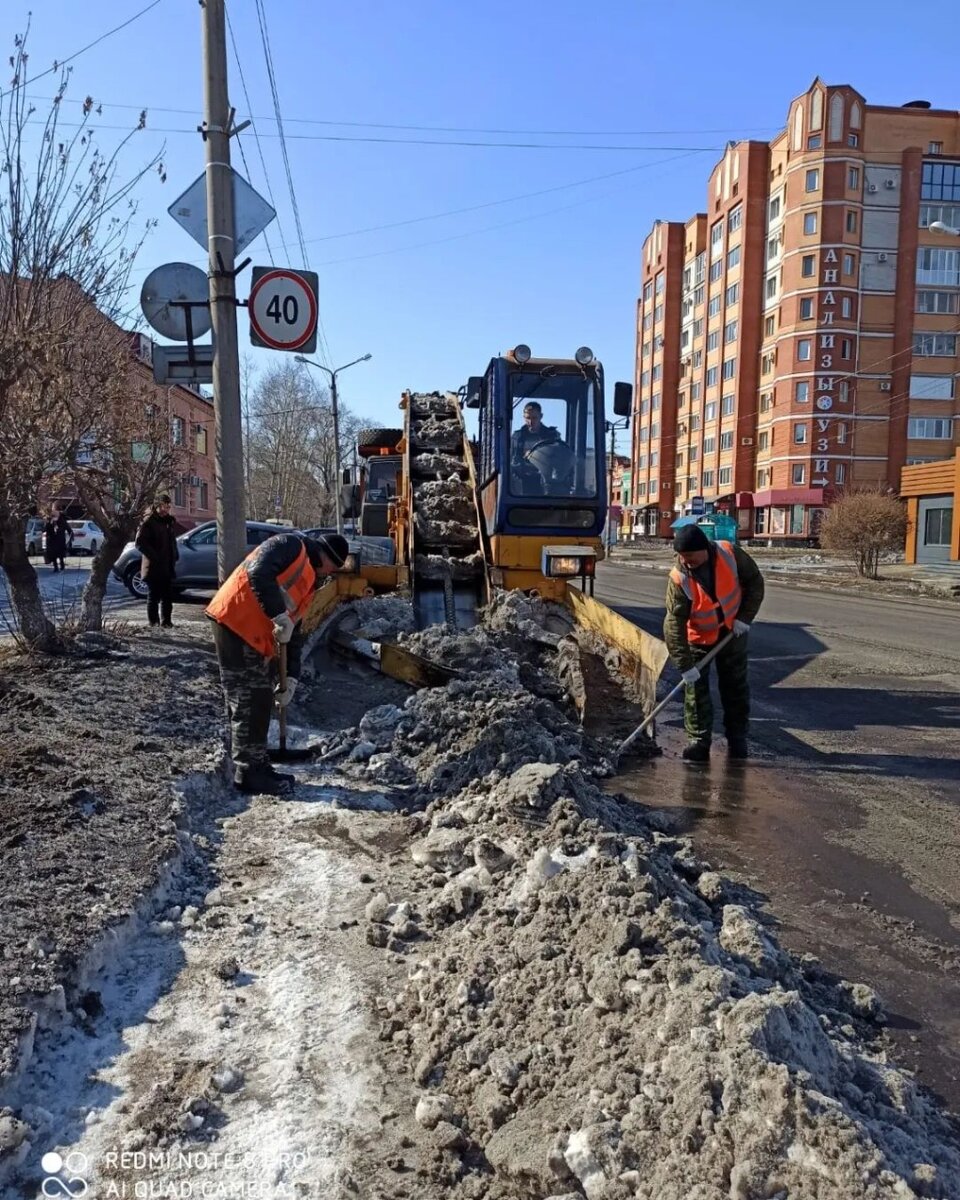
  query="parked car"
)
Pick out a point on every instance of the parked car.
point(197, 564)
point(33, 536)
point(87, 537)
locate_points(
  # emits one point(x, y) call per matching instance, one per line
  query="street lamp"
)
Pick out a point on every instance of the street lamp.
point(611, 428)
point(942, 227)
point(332, 376)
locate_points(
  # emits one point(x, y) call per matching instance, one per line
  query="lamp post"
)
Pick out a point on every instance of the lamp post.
point(332, 376)
point(612, 427)
point(942, 227)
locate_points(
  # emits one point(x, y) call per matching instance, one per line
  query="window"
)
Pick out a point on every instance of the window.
point(800, 435)
point(698, 327)
point(687, 278)
point(656, 401)
point(729, 368)
point(931, 387)
point(661, 284)
point(733, 258)
point(709, 445)
point(726, 474)
point(203, 501)
point(773, 248)
point(809, 222)
point(694, 454)
point(641, 462)
point(937, 526)
point(851, 220)
point(716, 240)
point(644, 407)
point(935, 148)
point(938, 302)
point(775, 208)
point(803, 392)
point(658, 314)
point(803, 349)
point(644, 378)
point(763, 440)
point(697, 362)
point(848, 264)
point(648, 290)
point(726, 441)
point(841, 433)
point(730, 332)
point(768, 362)
point(655, 430)
point(927, 344)
point(853, 139)
point(806, 308)
point(179, 492)
point(938, 428)
point(844, 393)
point(648, 321)
point(733, 294)
point(760, 514)
point(681, 399)
point(695, 391)
point(716, 270)
point(713, 376)
point(678, 461)
point(814, 141)
point(657, 372)
point(713, 340)
point(846, 348)
point(708, 479)
point(200, 435)
point(654, 458)
point(710, 411)
point(766, 401)
point(949, 214)
point(714, 306)
point(938, 266)
point(694, 421)
point(846, 308)
point(799, 473)
point(853, 179)
point(769, 325)
point(940, 181)
point(770, 289)
point(727, 405)
point(735, 219)
point(698, 296)
point(177, 426)
point(808, 266)
point(653, 486)
point(812, 180)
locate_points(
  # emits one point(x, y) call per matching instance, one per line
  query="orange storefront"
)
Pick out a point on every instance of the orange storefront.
point(932, 493)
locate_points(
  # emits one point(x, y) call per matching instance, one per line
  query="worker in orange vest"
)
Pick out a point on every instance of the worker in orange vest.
point(714, 590)
point(258, 608)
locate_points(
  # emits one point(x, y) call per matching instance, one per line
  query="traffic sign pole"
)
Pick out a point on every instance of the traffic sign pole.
point(231, 523)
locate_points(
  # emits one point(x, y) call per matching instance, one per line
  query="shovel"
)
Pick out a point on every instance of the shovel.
point(705, 661)
point(282, 754)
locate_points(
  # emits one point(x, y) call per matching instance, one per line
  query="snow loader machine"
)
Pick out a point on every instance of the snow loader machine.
point(522, 505)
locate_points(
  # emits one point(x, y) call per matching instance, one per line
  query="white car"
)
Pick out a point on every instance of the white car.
point(87, 537)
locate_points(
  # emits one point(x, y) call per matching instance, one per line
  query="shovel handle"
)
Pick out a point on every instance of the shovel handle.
point(282, 679)
point(705, 661)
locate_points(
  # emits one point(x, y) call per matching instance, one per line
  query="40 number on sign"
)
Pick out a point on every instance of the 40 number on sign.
point(283, 309)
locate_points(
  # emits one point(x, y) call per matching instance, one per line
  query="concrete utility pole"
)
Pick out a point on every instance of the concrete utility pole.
point(613, 459)
point(217, 117)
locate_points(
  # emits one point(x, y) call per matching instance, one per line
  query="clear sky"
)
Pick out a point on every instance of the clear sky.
point(650, 92)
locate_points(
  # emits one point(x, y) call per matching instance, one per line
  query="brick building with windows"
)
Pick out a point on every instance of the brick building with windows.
point(800, 336)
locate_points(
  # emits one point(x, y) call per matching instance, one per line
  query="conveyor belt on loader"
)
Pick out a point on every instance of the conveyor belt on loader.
point(447, 556)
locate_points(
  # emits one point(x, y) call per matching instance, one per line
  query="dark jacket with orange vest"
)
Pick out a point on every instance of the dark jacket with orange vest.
point(276, 577)
point(702, 604)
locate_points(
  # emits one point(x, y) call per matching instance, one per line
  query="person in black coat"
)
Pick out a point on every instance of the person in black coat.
point(157, 542)
point(58, 535)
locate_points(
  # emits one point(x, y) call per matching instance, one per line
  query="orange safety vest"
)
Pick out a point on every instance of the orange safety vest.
point(703, 624)
point(236, 606)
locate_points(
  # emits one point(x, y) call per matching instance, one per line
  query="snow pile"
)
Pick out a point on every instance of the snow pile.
point(589, 1012)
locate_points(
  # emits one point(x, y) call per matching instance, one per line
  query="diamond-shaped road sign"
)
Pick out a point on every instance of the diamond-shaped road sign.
point(251, 213)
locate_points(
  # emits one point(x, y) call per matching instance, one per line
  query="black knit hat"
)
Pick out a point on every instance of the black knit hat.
point(334, 547)
point(689, 539)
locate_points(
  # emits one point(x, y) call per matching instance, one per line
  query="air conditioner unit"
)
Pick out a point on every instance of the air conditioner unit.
point(881, 258)
point(884, 387)
point(659, 343)
point(871, 187)
point(746, 441)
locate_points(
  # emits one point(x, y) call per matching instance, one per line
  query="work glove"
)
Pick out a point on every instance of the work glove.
point(284, 697)
point(740, 628)
point(283, 627)
point(690, 677)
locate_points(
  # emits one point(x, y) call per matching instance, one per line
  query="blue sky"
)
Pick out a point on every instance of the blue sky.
point(434, 299)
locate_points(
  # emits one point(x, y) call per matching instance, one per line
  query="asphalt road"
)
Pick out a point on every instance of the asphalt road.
point(848, 818)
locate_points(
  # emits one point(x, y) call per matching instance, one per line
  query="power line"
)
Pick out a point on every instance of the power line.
point(62, 62)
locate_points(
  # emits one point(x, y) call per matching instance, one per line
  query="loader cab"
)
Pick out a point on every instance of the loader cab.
point(541, 464)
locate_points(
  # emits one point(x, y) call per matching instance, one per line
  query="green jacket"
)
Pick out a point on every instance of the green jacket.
point(678, 608)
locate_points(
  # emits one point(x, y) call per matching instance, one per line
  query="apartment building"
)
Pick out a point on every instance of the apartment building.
point(800, 336)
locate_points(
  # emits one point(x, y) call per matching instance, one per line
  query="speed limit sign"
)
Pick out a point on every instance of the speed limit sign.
point(283, 309)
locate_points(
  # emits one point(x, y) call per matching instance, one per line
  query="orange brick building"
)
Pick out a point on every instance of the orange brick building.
point(800, 336)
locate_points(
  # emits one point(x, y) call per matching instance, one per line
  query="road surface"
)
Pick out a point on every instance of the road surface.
point(849, 817)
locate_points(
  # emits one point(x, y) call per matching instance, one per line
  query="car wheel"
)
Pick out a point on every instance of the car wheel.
point(136, 584)
point(93, 549)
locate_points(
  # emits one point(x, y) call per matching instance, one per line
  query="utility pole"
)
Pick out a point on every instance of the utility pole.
point(336, 450)
point(217, 120)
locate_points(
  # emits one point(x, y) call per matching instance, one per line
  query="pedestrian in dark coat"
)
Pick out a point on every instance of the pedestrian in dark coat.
point(157, 542)
point(58, 535)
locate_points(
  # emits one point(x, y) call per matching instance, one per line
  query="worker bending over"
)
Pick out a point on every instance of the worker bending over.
point(714, 589)
point(258, 608)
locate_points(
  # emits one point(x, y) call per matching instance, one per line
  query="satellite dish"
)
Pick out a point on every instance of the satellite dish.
point(164, 292)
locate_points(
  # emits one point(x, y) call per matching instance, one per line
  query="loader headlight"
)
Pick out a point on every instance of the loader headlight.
point(522, 354)
point(584, 356)
point(559, 562)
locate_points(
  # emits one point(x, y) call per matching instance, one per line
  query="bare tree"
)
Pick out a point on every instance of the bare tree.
point(67, 244)
point(291, 459)
point(862, 525)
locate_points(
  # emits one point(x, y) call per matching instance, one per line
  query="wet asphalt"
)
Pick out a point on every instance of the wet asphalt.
point(848, 817)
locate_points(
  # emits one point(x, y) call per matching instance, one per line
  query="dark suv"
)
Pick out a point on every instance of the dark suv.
point(197, 564)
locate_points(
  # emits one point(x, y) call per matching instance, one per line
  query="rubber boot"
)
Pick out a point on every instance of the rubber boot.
point(737, 747)
point(696, 752)
point(263, 780)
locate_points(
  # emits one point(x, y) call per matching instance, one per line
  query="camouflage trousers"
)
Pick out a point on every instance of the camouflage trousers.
point(247, 680)
point(734, 687)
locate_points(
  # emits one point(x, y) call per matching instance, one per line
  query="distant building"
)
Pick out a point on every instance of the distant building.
point(932, 493)
point(800, 336)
